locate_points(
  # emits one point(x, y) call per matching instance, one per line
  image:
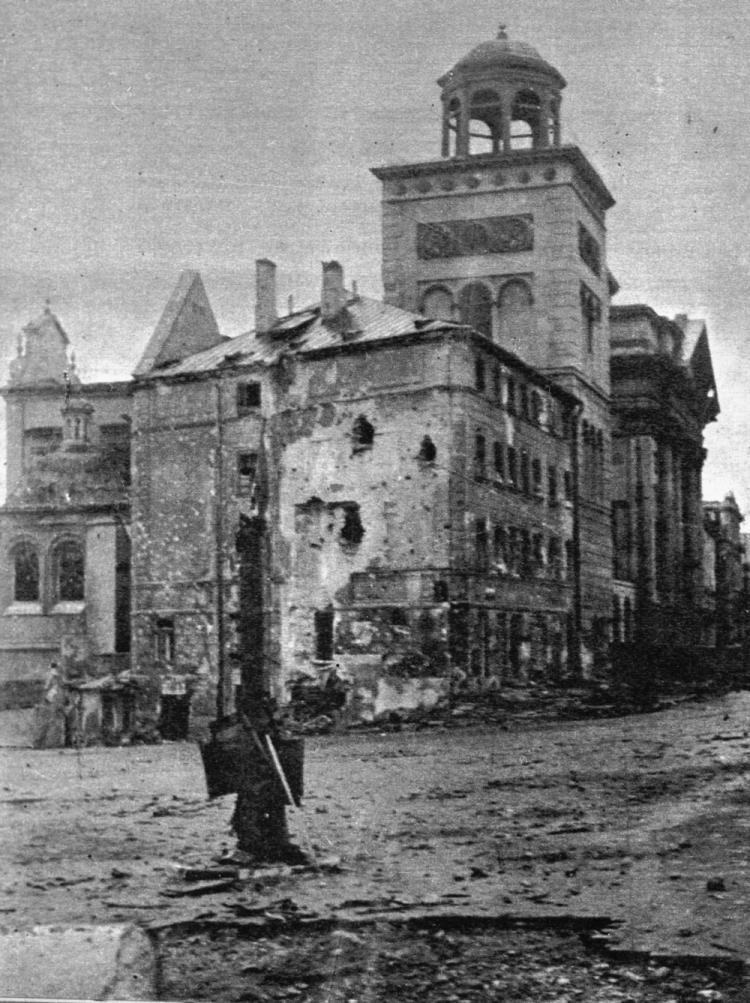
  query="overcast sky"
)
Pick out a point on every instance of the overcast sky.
point(141, 137)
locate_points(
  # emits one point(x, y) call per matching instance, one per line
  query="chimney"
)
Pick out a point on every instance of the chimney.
point(265, 295)
point(333, 296)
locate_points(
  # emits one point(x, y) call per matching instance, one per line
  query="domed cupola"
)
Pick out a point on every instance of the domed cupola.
point(501, 96)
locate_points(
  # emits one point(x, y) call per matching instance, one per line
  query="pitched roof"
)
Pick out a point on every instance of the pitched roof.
point(186, 326)
point(363, 320)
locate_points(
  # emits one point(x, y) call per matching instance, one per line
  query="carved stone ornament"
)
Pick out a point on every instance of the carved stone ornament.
point(456, 238)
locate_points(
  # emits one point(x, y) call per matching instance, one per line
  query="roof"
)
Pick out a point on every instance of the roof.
point(362, 321)
point(501, 53)
point(186, 326)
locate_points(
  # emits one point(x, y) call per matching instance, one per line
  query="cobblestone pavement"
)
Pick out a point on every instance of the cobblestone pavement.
point(643, 819)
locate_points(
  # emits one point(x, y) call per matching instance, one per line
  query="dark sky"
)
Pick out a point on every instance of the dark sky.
point(140, 137)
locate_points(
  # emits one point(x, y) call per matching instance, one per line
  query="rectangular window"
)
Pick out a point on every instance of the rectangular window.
point(248, 397)
point(164, 640)
point(569, 559)
point(479, 375)
point(525, 475)
point(537, 554)
point(324, 635)
point(526, 566)
point(511, 398)
point(501, 548)
point(536, 477)
point(479, 456)
point(482, 544)
point(552, 485)
point(499, 457)
point(247, 468)
point(568, 485)
point(621, 539)
point(513, 466)
point(523, 393)
point(555, 557)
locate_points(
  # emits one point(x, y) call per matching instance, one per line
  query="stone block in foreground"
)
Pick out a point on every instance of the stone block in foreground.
point(81, 962)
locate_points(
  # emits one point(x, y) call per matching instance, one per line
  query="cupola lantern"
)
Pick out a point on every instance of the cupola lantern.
point(501, 96)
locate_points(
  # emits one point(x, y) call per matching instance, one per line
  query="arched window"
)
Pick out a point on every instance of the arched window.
point(68, 572)
point(25, 573)
point(475, 308)
point(437, 304)
point(525, 125)
point(485, 123)
point(516, 315)
point(452, 120)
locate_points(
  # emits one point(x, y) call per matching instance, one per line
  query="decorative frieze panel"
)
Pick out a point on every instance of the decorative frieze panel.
point(457, 238)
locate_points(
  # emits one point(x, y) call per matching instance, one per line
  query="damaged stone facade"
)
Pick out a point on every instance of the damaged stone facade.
point(663, 396)
point(479, 482)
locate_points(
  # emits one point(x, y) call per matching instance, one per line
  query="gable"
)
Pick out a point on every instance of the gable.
point(187, 326)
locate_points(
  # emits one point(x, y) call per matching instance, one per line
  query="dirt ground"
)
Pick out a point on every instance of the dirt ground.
point(641, 819)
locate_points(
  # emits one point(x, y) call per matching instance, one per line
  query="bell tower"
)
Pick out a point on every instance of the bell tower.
point(505, 233)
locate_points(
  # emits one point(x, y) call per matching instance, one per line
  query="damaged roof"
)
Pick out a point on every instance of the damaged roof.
point(363, 320)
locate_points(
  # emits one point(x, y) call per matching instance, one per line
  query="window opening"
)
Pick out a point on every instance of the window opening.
point(536, 476)
point(482, 544)
point(352, 530)
point(69, 572)
point(501, 548)
point(479, 375)
point(427, 450)
point(248, 397)
point(324, 635)
point(479, 455)
point(499, 451)
point(525, 121)
point(516, 311)
point(475, 308)
point(513, 466)
point(25, 573)
point(247, 467)
point(437, 304)
point(363, 433)
point(552, 485)
point(164, 647)
point(440, 591)
point(525, 477)
point(485, 123)
point(568, 485)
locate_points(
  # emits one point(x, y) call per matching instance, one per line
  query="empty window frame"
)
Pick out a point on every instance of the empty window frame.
point(525, 473)
point(536, 477)
point(25, 562)
point(480, 378)
point(482, 543)
point(499, 460)
point(248, 397)
point(480, 455)
point(363, 433)
point(324, 635)
point(247, 470)
point(164, 640)
point(68, 572)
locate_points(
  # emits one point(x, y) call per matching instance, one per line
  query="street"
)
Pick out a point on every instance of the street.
point(642, 819)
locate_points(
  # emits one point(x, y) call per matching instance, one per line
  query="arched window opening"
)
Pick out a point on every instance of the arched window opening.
point(485, 123)
point(475, 308)
point(363, 433)
point(437, 304)
point(525, 125)
point(25, 573)
point(68, 572)
point(452, 120)
point(516, 315)
point(427, 450)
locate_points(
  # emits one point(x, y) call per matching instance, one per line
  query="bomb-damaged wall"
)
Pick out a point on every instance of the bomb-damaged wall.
point(363, 472)
point(193, 441)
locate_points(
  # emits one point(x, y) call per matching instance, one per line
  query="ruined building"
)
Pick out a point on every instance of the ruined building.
point(432, 473)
